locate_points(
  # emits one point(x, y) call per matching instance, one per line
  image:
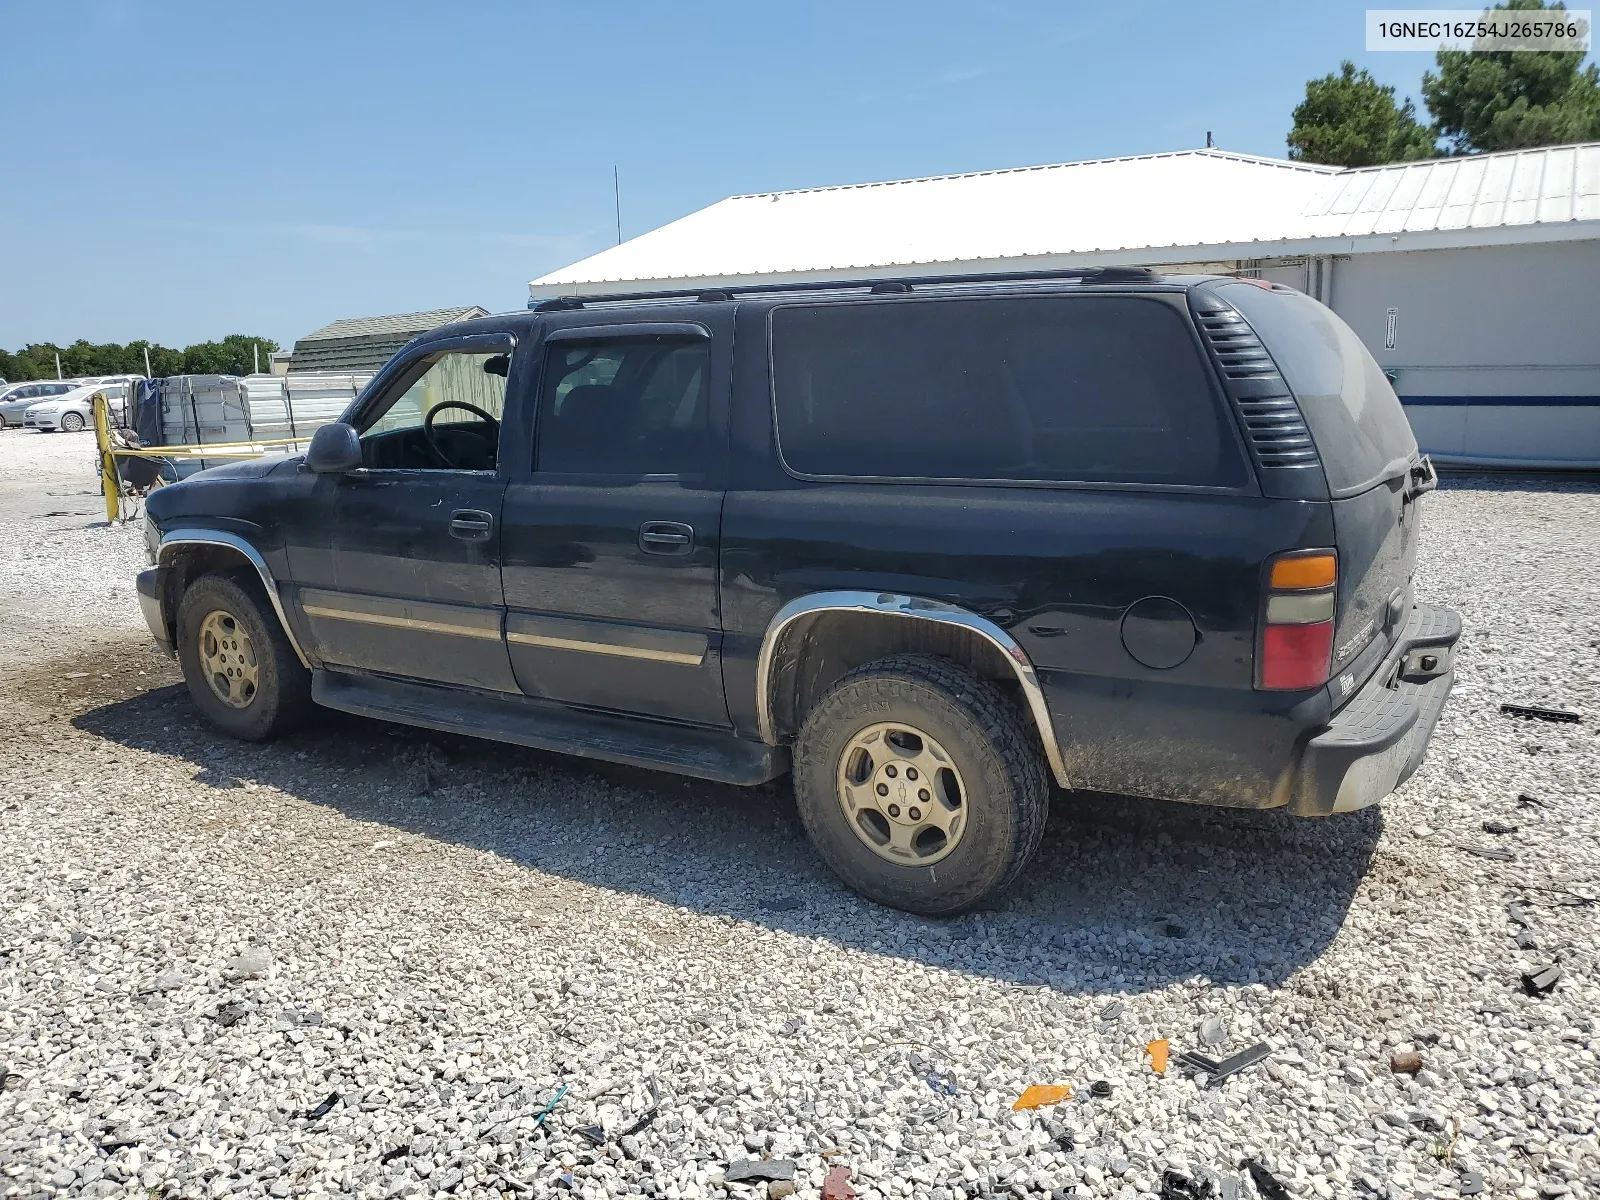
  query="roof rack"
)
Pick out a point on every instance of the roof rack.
point(890, 286)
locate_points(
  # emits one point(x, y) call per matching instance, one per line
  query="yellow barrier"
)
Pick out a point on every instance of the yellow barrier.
point(111, 479)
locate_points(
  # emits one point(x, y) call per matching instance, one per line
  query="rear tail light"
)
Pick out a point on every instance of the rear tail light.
point(1297, 632)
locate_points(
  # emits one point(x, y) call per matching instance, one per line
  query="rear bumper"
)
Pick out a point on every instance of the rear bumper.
point(1375, 742)
point(150, 586)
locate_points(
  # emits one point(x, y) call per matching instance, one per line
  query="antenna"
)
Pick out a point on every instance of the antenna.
point(616, 187)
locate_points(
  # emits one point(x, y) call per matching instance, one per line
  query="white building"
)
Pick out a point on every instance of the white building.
point(1475, 281)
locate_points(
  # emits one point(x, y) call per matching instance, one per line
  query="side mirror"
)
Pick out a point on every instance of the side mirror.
point(499, 365)
point(335, 450)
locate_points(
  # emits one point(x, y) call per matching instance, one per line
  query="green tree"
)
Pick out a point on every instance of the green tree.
point(1505, 100)
point(1351, 120)
point(235, 354)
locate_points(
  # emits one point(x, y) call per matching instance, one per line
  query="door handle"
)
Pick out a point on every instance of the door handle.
point(666, 537)
point(471, 524)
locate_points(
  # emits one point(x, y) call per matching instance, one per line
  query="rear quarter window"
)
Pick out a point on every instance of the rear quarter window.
point(1356, 420)
point(1069, 389)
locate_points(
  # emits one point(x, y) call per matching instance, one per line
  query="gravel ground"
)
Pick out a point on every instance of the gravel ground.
point(365, 959)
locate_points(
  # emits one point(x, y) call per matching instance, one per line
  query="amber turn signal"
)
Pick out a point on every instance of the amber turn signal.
point(1305, 571)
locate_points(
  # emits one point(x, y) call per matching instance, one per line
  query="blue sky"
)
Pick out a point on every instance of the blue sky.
point(184, 171)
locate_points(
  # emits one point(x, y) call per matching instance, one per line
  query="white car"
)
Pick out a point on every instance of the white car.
point(71, 412)
point(17, 398)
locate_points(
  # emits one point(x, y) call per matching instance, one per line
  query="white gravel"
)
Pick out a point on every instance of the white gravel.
point(201, 941)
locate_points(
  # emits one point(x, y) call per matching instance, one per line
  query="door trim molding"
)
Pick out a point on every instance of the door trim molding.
point(913, 608)
point(423, 617)
point(674, 646)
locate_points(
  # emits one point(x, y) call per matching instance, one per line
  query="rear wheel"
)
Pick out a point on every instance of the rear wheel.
point(72, 422)
point(920, 785)
point(239, 666)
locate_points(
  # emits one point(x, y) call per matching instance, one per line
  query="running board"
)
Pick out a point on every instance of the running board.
point(681, 749)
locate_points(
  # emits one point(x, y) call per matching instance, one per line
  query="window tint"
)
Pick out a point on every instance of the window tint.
point(625, 406)
point(1356, 421)
point(1092, 389)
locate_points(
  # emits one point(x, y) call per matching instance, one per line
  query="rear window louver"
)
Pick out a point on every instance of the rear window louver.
point(1272, 419)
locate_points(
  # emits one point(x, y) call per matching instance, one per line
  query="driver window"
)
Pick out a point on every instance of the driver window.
point(425, 426)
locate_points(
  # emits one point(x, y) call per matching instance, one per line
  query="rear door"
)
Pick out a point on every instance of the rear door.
point(611, 542)
point(1367, 451)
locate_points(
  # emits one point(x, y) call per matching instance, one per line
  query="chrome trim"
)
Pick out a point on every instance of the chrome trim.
point(915, 607)
point(556, 643)
point(394, 622)
point(217, 537)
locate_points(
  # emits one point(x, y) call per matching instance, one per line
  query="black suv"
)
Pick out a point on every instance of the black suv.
point(931, 544)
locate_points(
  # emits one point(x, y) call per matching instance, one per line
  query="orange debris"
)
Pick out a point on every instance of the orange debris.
point(1039, 1095)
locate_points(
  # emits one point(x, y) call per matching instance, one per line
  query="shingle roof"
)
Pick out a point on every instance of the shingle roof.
point(366, 343)
point(1186, 206)
point(407, 323)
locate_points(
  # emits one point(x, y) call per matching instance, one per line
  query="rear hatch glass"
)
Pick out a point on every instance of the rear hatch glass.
point(1366, 447)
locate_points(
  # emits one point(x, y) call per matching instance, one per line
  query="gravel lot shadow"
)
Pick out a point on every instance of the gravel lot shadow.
point(1125, 894)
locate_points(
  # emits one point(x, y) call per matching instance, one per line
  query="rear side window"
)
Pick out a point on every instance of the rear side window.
point(626, 406)
point(1072, 389)
point(1356, 421)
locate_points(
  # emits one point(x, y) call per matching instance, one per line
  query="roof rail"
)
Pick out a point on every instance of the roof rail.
point(886, 286)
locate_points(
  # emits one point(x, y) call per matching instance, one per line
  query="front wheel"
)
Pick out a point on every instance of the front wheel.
point(920, 785)
point(72, 422)
point(240, 668)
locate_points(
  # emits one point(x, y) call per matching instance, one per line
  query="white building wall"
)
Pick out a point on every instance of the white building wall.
point(1481, 336)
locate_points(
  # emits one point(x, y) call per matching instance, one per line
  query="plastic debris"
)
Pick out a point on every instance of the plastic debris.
point(1266, 1182)
point(1493, 852)
point(836, 1185)
point(593, 1134)
point(1526, 801)
point(566, 1180)
point(1471, 1183)
point(1405, 1062)
point(1158, 1051)
point(1215, 1071)
point(1542, 980)
point(1065, 1142)
point(323, 1109)
point(1113, 1010)
point(551, 1107)
point(1041, 1095)
point(1559, 715)
point(388, 1156)
point(118, 1141)
point(1177, 1186)
point(768, 1169)
point(940, 1083)
point(1498, 827)
point(10, 1081)
point(1213, 1031)
point(1100, 1089)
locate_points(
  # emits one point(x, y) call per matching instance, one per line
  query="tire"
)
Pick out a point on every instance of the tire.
point(990, 756)
point(271, 693)
point(72, 422)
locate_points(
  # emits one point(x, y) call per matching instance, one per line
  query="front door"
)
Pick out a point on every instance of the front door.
point(610, 545)
point(396, 566)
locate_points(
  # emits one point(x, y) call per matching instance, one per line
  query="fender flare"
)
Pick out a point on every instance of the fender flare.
point(914, 608)
point(217, 537)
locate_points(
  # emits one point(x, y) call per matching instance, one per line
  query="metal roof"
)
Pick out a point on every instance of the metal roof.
point(1192, 205)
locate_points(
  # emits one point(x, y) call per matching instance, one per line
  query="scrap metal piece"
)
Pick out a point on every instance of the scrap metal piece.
point(769, 1169)
point(1558, 715)
point(1230, 1067)
point(1537, 983)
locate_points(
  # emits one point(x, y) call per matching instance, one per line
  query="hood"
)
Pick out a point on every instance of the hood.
point(249, 468)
